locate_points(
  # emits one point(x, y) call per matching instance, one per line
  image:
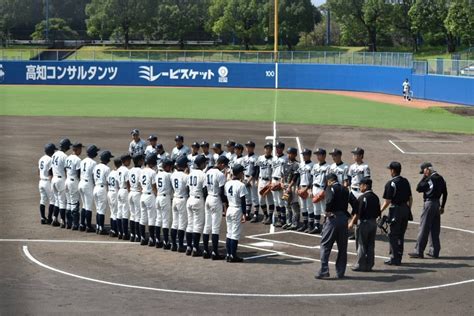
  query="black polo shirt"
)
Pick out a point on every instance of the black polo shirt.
point(397, 190)
point(368, 206)
point(338, 199)
point(433, 187)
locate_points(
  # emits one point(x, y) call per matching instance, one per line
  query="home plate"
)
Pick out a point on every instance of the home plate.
point(262, 244)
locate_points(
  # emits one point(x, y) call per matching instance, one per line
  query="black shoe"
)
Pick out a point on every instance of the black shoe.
point(44, 221)
point(235, 259)
point(55, 223)
point(151, 243)
point(132, 238)
point(267, 221)
point(159, 244)
point(90, 230)
point(247, 217)
point(112, 234)
point(292, 227)
point(188, 251)
point(254, 219)
point(119, 236)
point(215, 256)
point(82, 228)
point(340, 276)
point(302, 228)
point(103, 232)
point(206, 255)
point(322, 276)
point(391, 262)
point(143, 242)
point(309, 228)
point(126, 237)
point(62, 225)
point(415, 255)
point(356, 269)
point(432, 255)
point(286, 226)
point(315, 230)
point(75, 227)
point(137, 239)
point(196, 253)
point(352, 237)
point(182, 249)
point(174, 247)
point(167, 246)
point(278, 224)
point(68, 226)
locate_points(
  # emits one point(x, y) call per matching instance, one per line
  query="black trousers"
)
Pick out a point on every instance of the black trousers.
point(334, 230)
point(365, 243)
point(398, 215)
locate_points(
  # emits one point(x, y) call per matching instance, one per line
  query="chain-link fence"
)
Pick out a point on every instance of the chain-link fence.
point(450, 67)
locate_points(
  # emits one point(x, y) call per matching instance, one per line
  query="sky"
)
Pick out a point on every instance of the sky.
point(318, 2)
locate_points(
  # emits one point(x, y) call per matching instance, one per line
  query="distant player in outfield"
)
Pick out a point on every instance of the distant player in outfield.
point(406, 90)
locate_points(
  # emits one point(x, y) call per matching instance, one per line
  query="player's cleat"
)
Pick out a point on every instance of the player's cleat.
point(159, 244)
point(235, 259)
point(268, 220)
point(415, 255)
point(391, 262)
point(126, 237)
point(90, 230)
point(151, 243)
point(206, 255)
point(63, 225)
point(68, 226)
point(188, 251)
point(254, 219)
point(174, 247)
point(82, 228)
point(112, 234)
point(278, 224)
point(315, 230)
point(119, 236)
point(167, 246)
point(132, 238)
point(217, 256)
point(247, 217)
point(103, 232)
point(44, 221)
point(182, 249)
point(196, 253)
point(432, 255)
point(75, 227)
point(322, 276)
point(286, 226)
point(292, 227)
point(55, 223)
point(143, 242)
point(302, 228)
point(309, 228)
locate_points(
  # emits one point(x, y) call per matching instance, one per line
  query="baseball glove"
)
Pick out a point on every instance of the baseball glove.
point(302, 193)
point(265, 190)
point(319, 197)
point(277, 186)
point(286, 196)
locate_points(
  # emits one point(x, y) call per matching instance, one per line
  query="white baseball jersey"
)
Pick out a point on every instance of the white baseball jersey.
point(216, 156)
point(73, 164)
point(237, 161)
point(278, 165)
point(340, 170)
point(215, 179)
point(137, 148)
point(406, 86)
point(113, 181)
point(210, 160)
point(150, 150)
point(265, 165)
point(304, 170)
point(235, 190)
point(161, 157)
point(196, 182)
point(59, 164)
point(177, 152)
point(358, 172)
point(179, 182)
point(134, 179)
point(191, 159)
point(231, 157)
point(319, 174)
point(249, 165)
point(101, 174)
point(122, 177)
point(87, 169)
point(163, 183)
point(44, 165)
point(147, 180)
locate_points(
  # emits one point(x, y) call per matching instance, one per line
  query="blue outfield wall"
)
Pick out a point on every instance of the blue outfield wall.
point(366, 78)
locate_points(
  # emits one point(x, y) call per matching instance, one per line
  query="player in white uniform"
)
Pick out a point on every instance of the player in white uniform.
point(179, 181)
point(161, 154)
point(163, 204)
point(264, 172)
point(112, 197)
point(194, 153)
point(148, 201)
point(210, 157)
point(305, 183)
point(217, 149)
point(101, 173)
point(277, 187)
point(357, 171)
point(123, 209)
point(319, 174)
point(151, 148)
point(250, 181)
point(290, 180)
point(195, 206)
point(59, 182)
point(86, 188)
point(238, 155)
point(406, 90)
point(73, 172)
point(180, 149)
point(235, 191)
point(339, 168)
point(44, 185)
point(215, 181)
point(137, 145)
point(230, 144)
point(134, 176)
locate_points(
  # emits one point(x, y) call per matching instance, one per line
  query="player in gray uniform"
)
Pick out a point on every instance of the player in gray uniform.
point(163, 204)
point(134, 176)
point(179, 180)
point(319, 174)
point(210, 157)
point(59, 182)
point(230, 145)
point(101, 173)
point(264, 173)
point(278, 163)
point(86, 188)
point(250, 181)
point(137, 146)
point(357, 171)
point(339, 168)
point(217, 149)
point(73, 172)
point(161, 154)
point(44, 185)
point(305, 183)
point(180, 149)
point(290, 181)
point(214, 208)
point(151, 148)
point(194, 153)
point(112, 197)
point(238, 155)
point(122, 198)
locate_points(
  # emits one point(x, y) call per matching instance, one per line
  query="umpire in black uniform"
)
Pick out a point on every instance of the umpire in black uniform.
point(433, 187)
point(366, 212)
point(334, 228)
point(397, 195)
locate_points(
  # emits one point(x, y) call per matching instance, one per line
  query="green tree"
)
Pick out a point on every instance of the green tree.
point(459, 21)
point(17, 16)
point(72, 11)
point(401, 25)
point(58, 30)
point(295, 17)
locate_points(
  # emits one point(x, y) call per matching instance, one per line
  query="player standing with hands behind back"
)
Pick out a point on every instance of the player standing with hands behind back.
point(46, 195)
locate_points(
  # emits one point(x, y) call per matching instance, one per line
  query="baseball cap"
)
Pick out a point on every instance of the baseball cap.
point(135, 132)
point(182, 161)
point(320, 151)
point(366, 180)
point(150, 159)
point(152, 137)
point(179, 137)
point(65, 143)
point(92, 150)
point(230, 143)
point(268, 145)
point(336, 152)
point(49, 148)
point(159, 146)
point(204, 144)
point(307, 151)
point(292, 150)
point(217, 145)
point(239, 146)
point(200, 160)
point(195, 145)
point(395, 165)
point(222, 159)
point(250, 144)
point(280, 145)
point(125, 157)
point(166, 162)
point(77, 145)
point(236, 169)
point(425, 165)
point(358, 151)
point(105, 156)
point(332, 177)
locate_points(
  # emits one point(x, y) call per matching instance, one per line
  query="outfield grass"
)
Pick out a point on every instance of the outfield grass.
point(225, 104)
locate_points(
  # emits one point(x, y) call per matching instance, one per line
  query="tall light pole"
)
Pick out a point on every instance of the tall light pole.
point(275, 30)
point(328, 27)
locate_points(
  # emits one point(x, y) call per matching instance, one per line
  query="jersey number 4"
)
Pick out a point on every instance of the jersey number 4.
point(231, 191)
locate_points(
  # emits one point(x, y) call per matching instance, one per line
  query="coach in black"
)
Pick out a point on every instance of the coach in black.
point(433, 187)
point(335, 227)
point(366, 212)
point(397, 195)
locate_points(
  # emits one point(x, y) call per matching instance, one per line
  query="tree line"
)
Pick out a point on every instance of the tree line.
point(371, 23)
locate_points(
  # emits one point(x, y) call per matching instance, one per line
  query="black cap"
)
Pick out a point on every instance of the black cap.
point(250, 144)
point(307, 152)
point(49, 148)
point(320, 151)
point(200, 159)
point(179, 137)
point(151, 159)
point(195, 145)
point(335, 152)
point(395, 165)
point(92, 151)
point(366, 180)
point(280, 145)
point(230, 143)
point(125, 157)
point(65, 143)
point(159, 146)
point(217, 145)
point(152, 137)
point(425, 165)
point(105, 156)
point(268, 145)
point(292, 150)
point(332, 177)
point(358, 151)
point(135, 132)
point(222, 159)
point(166, 162)
point(77, 145)
point(182, 161)
point(236, 169)
point(239, 146)
point(204, 144)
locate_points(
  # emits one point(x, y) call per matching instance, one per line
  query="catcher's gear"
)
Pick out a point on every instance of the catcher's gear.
point(319, 197)
point(265, 190)
point(303, 193)
point(277, 186)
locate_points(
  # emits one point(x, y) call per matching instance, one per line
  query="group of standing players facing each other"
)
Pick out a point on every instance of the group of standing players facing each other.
point(182, 196)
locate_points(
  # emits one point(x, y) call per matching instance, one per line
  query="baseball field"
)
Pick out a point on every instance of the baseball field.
point(48, 270)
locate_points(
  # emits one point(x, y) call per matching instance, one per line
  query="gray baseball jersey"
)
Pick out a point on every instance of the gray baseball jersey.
point(358, 172)
point(290, 169)
point(304, 170)
point(150, 150)
point(177, 152)
point(319, 174)
point(265, 165)
point(249, 164)
point(137, 148)
point(278, 165)
point(341, 171)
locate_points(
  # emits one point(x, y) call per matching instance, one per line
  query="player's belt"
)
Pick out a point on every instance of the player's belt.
point(85, 180)
point(72, 179)
point(58, 177)
point(134, 190)
point(179, 197)
point(100, 185)
point(112, 190)
point(318, 185)
point(44, 179)
point(265, 179)
point(163, 194)
point(355, 188)
point(149, 193)
point(303, 186)
point(196, 196)
point(276, 178)
point(214, 195)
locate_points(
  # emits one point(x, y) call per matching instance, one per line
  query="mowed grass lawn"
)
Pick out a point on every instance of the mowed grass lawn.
point(224, 104)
